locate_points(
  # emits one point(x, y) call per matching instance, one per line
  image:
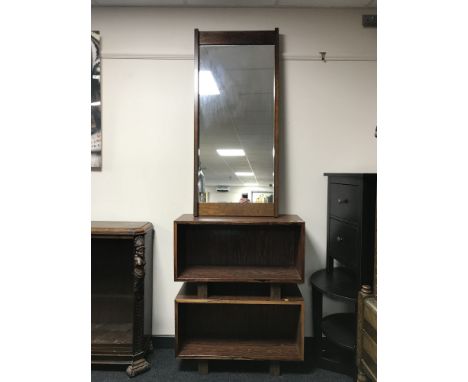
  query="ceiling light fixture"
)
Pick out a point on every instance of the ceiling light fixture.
point(242, 173)
point(231, 152)
point(207, 83)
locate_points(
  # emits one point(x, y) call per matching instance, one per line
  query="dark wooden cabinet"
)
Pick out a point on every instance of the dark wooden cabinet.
point(121, 293)
point(240, 300)
point(350, 264)
point(351, 224)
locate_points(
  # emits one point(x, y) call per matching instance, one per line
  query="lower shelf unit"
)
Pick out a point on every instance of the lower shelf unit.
point(240, 322)
point(336, 350)
point(340, 329)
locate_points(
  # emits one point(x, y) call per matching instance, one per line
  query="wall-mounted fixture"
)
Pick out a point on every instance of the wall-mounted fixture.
point(323, 54)
point(369, 21)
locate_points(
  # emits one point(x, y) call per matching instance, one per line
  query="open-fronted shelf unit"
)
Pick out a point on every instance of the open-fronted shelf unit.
point(333, 357)
point(340, 329)
point(240, 322)
point(219, 249)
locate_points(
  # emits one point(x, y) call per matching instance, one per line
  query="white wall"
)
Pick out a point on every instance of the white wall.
point(328, 120)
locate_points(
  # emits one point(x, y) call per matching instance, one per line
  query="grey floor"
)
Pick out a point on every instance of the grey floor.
point(165, 367)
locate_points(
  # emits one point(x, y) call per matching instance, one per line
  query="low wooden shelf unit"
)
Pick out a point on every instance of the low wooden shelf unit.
point(243, 323)
point(221, 249)
point(240, 300)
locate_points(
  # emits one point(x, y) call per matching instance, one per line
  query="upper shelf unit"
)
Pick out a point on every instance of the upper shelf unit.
point(239, 249)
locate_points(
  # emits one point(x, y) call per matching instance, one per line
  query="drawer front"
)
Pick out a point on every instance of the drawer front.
point(342, 243)
point(344, 201)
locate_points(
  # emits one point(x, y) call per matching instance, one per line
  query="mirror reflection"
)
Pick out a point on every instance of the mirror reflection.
point(236, 123)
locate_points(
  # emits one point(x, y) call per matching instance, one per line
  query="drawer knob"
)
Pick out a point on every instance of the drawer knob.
point(339, 239)
point(342, 201)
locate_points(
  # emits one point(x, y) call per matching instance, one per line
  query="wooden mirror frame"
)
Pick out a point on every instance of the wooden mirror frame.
point(203, 38)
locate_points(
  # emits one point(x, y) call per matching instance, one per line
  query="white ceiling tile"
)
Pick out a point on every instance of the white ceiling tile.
point(139, 3)
point(240, 3)
point(231, 3)
point(324, 3)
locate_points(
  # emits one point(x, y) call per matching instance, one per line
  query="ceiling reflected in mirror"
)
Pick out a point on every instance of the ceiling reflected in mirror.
point(236, 115)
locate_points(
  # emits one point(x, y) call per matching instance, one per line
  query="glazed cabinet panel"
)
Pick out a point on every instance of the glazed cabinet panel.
point(121, 294)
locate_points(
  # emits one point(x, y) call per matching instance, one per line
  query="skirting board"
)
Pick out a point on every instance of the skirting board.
point(163, 342)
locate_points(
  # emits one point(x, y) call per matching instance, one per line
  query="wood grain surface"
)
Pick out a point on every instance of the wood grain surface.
point(120, 228)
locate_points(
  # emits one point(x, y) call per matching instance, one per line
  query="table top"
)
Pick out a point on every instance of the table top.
point(340, 283)
point(119, 228)
point(282, 219)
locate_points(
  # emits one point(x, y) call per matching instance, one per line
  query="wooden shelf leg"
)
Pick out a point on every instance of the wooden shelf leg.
point(202, 290)
point(203, 367)
point(275, 369)
point(275, 291)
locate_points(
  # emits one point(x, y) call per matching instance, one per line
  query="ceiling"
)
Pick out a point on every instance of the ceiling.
point(240, 3)
point(240, 116)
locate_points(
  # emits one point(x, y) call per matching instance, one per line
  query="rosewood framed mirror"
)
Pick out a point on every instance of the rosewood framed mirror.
point(236, 159)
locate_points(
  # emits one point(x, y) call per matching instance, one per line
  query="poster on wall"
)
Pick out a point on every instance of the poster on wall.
point(96, 135)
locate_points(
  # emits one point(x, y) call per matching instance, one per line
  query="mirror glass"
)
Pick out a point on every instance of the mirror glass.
point(236, 123)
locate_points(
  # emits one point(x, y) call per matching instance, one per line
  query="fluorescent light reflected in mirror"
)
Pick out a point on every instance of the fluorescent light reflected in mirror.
point(207, 83)
point(231, 152)
point(241, 173)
